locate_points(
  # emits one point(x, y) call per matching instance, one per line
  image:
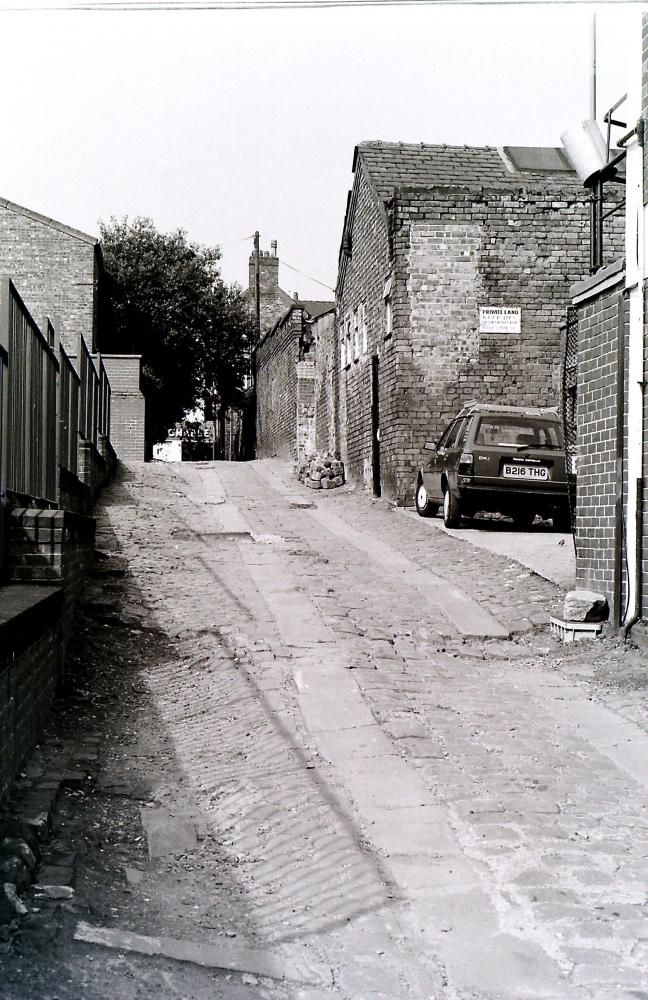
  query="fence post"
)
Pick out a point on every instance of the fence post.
point(5, 289)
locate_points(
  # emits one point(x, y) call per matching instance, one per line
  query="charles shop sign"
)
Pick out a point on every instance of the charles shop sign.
point(499, 319)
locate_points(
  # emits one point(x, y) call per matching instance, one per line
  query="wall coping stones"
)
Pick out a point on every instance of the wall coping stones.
point(26, 612)
point(78, 527)
point(596, 284)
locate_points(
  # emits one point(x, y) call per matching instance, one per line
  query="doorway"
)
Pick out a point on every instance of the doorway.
point(375, 424)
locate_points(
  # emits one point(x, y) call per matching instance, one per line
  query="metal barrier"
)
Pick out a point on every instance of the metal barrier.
point(49, 401)
point(104, 398)
point(29, 464)
point(68, 414)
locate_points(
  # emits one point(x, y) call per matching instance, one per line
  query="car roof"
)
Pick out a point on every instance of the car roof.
point(516, 411)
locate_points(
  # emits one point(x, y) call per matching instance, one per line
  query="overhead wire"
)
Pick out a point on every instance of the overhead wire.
point(304, 275)
point(146, 6)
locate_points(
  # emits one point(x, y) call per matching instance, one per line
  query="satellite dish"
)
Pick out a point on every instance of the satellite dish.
point(585, 147)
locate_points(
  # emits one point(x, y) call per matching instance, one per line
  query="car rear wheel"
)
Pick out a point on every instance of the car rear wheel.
point(523, 519)
point(451, 509)
point(562, 522)
point(424, 506)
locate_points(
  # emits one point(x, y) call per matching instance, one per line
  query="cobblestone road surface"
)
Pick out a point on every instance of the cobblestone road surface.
point(353, 783)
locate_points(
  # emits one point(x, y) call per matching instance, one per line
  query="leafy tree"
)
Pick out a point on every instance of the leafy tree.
point(171, 306)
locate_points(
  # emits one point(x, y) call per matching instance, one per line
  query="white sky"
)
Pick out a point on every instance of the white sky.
point(226, 122)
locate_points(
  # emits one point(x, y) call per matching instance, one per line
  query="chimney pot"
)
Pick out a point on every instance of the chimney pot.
point(273, 248)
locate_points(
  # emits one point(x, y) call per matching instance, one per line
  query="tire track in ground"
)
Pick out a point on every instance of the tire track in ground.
point(309, 882)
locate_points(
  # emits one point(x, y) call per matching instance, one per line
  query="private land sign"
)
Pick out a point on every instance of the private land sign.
point(499, 319)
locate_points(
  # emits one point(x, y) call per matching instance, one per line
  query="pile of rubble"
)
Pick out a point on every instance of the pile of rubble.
point(322, 472)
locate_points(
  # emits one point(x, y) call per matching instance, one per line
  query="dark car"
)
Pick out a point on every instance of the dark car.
point(504, 459)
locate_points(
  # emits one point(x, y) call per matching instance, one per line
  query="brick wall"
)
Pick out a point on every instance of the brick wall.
point(30, 665)
point(127, 412)
point(326, 383)
point(55, 272)
point(274, 301)
point(54, 547)
point(275, 361)
point(365, 274)
point(596, 442)
point(451, 252)
point(305, 415)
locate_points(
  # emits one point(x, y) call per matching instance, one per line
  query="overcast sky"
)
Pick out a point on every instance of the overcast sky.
point(223, 122)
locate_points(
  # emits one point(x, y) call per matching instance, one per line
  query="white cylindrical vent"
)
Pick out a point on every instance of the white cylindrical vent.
point(585, 147)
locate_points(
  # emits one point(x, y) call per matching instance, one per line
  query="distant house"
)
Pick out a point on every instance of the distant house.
point(273, 301)
point(285, 378)
point(454, 275)
point(59, 274)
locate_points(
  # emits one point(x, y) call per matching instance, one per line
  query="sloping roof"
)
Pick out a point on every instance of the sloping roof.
point(46, 221)
point(418, 165)
point(316, 307)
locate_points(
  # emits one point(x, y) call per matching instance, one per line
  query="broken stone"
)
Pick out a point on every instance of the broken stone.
point(314, 484)
point(316, 475)
point(328, 484)
point(338, 481)
point(586, 606)
point(13, 870)
point(40, 826)
point(19, 848)
point(53, 892)
point(11, 906)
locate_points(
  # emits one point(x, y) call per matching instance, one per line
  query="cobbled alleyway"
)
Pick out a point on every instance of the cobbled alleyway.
point(331, 753)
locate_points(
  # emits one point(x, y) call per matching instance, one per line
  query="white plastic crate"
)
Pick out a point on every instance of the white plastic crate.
point(574, 631)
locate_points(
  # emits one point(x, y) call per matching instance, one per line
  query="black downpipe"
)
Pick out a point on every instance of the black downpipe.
point(618, 507)
point(639, 552)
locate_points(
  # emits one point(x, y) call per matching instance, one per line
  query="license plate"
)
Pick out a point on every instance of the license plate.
point(525, 472)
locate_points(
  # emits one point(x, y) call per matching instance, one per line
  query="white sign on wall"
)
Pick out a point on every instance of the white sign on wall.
point(499, 319)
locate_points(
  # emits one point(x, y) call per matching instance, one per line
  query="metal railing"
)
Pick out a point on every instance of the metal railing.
point(49, 402)
point(29, 465)
point(68, 414)
point(103, 414)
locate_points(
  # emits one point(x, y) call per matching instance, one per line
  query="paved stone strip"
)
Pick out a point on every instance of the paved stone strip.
point(297, 849)
point(550, 854)
point(227, 954)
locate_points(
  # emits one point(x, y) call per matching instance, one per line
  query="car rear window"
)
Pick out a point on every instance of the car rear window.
point(532, 432)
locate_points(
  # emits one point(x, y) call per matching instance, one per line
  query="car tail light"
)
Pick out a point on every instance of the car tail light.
point(466, 464)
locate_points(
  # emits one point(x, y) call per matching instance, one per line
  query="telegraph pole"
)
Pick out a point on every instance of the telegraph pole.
point(257, 286)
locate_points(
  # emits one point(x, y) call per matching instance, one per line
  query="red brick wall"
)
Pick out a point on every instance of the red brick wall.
point(275, 361)
point(363, 278)
point(327, 369)
point(598, 319)
point(127, 406)
point(305, 429)
point(51, 546)
point(451, 252)
point(55, 273)
point(30, 663)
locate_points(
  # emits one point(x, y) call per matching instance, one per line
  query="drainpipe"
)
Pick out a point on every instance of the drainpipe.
point(635, 274)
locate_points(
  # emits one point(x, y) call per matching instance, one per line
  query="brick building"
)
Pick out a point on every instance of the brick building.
point(285, 379)
point(273, 300)
point(608, 324)
point(127, 429)
point(454, 276)
point(59, 273)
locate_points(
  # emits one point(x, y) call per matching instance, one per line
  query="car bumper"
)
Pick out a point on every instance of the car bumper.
point(493, 496)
